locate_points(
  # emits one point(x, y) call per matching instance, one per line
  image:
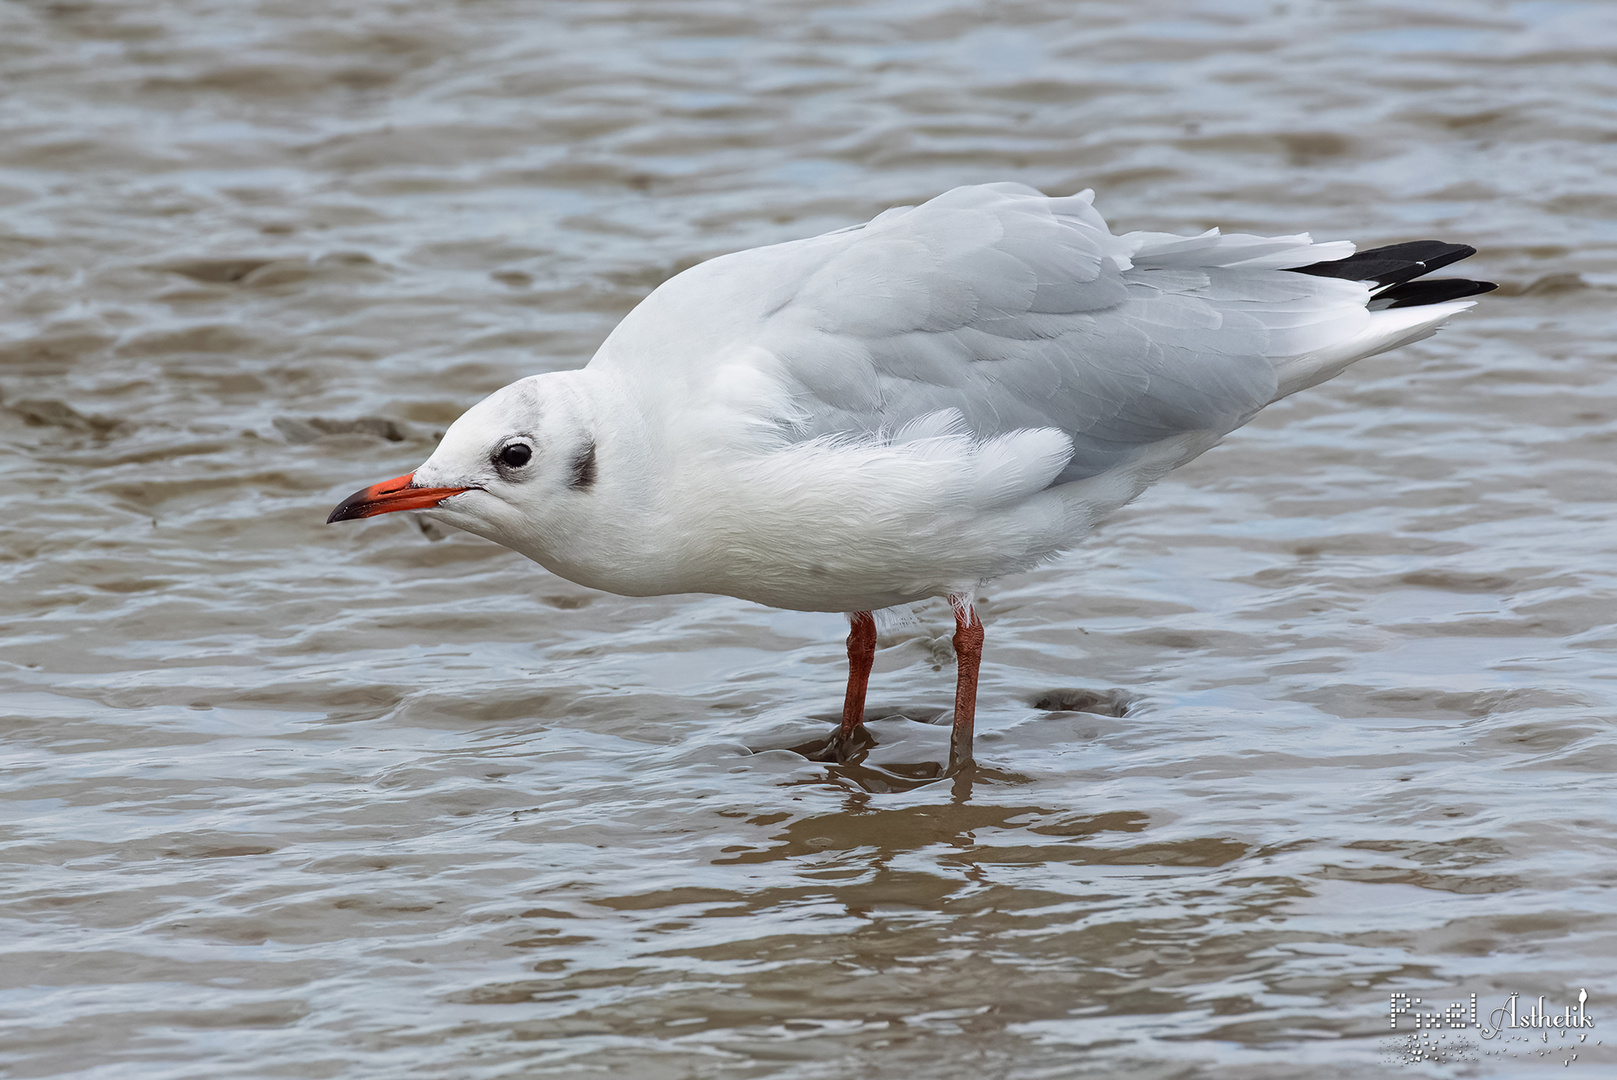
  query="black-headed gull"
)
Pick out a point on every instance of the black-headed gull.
point(908, 408)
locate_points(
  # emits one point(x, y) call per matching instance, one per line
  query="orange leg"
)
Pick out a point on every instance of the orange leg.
point(968, 650)
point(861, 655)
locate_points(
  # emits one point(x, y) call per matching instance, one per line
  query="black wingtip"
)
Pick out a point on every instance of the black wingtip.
point(1431, 291)
point(1395, 267)
point(1392, 264)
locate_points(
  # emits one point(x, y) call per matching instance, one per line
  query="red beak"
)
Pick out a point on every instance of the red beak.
point(388, 496)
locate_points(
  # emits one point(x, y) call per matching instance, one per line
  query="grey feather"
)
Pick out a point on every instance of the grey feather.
point(1022, 317)
point(1018, 311)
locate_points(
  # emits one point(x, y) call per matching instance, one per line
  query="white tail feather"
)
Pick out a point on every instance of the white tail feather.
point(1382, 330)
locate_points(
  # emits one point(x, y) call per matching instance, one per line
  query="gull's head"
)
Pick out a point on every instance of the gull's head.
point(518, 467)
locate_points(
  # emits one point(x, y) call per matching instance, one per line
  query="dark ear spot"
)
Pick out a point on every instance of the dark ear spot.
point(584, 468)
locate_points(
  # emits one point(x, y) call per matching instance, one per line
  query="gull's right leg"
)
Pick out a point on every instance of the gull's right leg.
point(861, 655)
point(968, 650)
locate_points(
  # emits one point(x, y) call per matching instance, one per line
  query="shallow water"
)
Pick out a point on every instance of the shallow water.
point(372, 801)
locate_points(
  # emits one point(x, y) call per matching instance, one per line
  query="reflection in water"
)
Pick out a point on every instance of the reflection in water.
point(909, 762)
point(1322, 718)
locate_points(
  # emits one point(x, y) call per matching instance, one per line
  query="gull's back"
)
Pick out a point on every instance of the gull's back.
point(1008, 337)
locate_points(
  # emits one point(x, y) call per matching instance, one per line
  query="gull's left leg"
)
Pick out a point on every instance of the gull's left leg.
point(968, 651)
point(861, 656)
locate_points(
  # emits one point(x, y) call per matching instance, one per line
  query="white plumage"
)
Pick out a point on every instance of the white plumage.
point(897, 410)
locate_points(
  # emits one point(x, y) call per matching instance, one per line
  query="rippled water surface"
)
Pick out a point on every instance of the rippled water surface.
point(1326, 715)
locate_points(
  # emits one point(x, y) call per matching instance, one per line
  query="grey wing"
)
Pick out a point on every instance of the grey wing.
point(1022, 311)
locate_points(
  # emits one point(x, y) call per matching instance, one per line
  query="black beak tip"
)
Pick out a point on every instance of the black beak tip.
point(349, 509)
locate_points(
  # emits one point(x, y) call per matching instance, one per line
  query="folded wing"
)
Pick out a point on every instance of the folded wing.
point(1013, 310)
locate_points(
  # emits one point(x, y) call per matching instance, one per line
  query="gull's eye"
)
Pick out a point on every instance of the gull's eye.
point(516, 454)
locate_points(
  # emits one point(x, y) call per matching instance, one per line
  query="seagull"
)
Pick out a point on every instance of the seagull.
point(908, 408)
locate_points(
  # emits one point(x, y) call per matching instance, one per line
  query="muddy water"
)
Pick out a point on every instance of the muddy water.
point(1324, 717)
